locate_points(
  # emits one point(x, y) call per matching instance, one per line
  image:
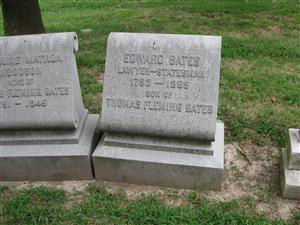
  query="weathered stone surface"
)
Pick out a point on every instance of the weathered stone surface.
point(38, 84)
point(50, 159)
point(293, 149)
point(162, 85)
point(290, 179)
point(158, 143)
point(290, 166)
point(45, 132)
point(164, 167)
point(159, 111)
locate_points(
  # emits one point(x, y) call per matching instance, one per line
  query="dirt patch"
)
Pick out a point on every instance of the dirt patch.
point(69, 186)
point(236, 65)
point(96, 99)
point(237, 34)
point(250, 170)
point(254, 171)
point(268, 32)
point(95, 73)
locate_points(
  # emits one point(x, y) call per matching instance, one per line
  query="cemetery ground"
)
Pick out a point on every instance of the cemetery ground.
point(259, 100)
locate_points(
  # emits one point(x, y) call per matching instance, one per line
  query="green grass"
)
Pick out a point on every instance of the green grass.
point(42, 205)
point(259, 99)
point(260, 74)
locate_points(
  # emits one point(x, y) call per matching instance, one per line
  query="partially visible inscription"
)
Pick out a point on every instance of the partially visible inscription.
point(31, 97)
point(175, 73)
point(20, 71)
point(30, 59)
point(164, 106)
point(19, 76)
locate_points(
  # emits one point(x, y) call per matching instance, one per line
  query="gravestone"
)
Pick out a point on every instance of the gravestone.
point(290, 166)
point(159, 111)
point(45, 131)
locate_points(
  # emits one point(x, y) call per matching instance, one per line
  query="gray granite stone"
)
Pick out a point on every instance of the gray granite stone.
point(172, 80)
point(159, 111)
point(290, 166)
point(49, 160)
point(158, 143)
point(293, 149)
point(290, 179)
point(140, 165)
point(45, 131)
point(38, 77)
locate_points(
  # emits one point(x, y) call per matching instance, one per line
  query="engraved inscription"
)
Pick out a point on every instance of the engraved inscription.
point(30, 59)
point(152, 105)
point(20, 81)
point(153, 73)
point(162, 85)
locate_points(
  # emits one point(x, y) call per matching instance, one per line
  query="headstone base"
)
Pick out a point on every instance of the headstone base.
point(56, 157)
point(290, 179)
point(181, 167)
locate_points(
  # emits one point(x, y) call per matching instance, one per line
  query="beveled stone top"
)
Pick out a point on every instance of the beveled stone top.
point(162, 85)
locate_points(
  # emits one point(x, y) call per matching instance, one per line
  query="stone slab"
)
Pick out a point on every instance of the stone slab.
point(50, 161)
point(115, 162)
point(39, 84)
point(158, 143)
point(293, 149)
point(172, 80)
point(19, 137)
point(45, 131)
point(290, 179)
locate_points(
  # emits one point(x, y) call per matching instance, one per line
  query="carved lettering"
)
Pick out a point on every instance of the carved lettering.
point(24, 92)
point(180, 68)
point(184, 60)
point(195, 108)
point(139, 59)
point(2, 93)
point(43, 58)
point(31, 59)
point(140, 82)
point(54, 91)
point(123, 103)
point(36, 103)
point(10, 60)
point(162, 106)
point(13, 72)
point(4, 105)
point(21, 76)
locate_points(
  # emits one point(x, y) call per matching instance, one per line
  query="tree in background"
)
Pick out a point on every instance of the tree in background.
point(22, 17)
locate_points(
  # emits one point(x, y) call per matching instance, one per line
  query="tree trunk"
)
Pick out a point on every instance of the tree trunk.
point(22, 17)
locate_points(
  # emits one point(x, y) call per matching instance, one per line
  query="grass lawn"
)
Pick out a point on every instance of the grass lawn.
point(42, 205)
point(259, 98)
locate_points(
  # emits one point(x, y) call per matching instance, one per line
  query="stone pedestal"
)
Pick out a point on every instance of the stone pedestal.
point(159, 111)
point(45, 132)
point(51, 157)
point(290, 166)
point(159, 161)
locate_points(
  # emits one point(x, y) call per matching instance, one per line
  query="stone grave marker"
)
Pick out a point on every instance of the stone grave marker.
point(45, 131)
point(159, 111)
point(290, 166)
